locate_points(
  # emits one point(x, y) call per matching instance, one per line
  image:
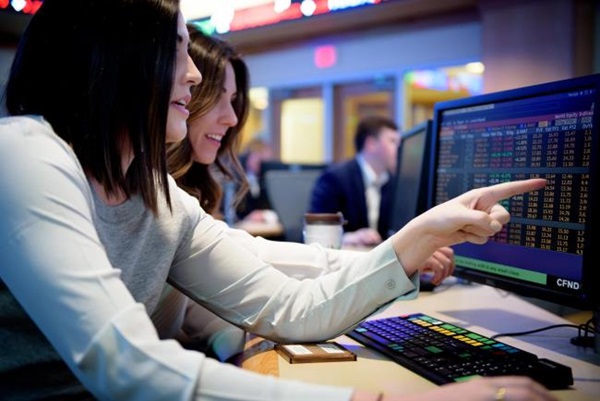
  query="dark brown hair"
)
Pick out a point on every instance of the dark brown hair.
point(101, 80)
point(370, 126)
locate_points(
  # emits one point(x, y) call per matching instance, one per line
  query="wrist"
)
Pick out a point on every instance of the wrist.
point(412, 248)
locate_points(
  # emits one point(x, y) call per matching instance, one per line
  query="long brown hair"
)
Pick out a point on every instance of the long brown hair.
point(211, 56)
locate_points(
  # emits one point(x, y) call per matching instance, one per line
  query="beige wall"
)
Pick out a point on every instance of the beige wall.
point(302, 131)
point(525, 42)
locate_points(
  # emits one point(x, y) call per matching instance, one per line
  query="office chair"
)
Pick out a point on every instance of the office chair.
point(289, 193)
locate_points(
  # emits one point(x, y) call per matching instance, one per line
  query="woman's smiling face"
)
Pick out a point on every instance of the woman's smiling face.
point(186, 76)
point(206, 132)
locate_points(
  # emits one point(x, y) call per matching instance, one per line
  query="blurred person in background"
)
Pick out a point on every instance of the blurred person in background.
point(361, 188)
point(255, 206)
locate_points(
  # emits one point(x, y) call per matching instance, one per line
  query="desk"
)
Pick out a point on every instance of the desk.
point(478, 308)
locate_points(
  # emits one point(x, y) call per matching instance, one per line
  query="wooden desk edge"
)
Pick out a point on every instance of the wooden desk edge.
point(259, 356)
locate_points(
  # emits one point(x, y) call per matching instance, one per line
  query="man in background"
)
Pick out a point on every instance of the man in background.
point(361, 188)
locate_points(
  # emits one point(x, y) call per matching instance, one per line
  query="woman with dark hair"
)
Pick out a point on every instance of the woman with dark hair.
point(93, 227)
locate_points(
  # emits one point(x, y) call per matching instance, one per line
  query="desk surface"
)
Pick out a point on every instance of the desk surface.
point(478, 308)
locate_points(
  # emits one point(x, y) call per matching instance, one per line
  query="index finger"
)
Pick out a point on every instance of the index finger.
point(508, 189)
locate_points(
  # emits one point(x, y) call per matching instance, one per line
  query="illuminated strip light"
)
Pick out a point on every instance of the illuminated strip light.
point(270, 17)
point(335, 5)
point(265, 14)
point(21, 6)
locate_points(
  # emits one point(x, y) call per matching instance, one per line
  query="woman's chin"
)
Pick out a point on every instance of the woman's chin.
point(176, 135)
point(205, 159)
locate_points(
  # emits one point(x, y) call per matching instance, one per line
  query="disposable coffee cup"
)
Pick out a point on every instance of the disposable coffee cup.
point(326, 229)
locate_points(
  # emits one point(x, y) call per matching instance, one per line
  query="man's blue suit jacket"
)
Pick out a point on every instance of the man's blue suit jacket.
point(341, 189)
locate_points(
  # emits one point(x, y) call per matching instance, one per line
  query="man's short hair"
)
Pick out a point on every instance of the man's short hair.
point(370, 126)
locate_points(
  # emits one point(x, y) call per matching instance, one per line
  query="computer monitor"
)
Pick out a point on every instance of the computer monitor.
point(411, 179)
point(267, 165)
point(548, 130)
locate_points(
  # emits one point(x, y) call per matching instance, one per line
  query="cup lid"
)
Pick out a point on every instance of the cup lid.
point(324, 218)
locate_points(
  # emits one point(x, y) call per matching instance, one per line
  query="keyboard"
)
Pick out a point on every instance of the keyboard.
point(444, 353)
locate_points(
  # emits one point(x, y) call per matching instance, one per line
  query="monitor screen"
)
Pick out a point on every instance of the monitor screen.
point(410, 181)
point(549, 131)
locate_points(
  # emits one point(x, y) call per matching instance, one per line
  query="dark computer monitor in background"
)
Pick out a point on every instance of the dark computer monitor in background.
point(410, 181)
point(274, 165)
point(551, 131)
point(268, 165)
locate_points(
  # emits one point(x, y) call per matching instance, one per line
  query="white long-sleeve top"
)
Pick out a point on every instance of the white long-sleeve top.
point(177, 317)
point(57, 280)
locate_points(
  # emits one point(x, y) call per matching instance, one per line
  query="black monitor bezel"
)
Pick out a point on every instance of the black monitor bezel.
point(587, 299)
point(424, 128)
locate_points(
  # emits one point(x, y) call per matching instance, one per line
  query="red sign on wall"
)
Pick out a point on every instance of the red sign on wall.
point(21, 6)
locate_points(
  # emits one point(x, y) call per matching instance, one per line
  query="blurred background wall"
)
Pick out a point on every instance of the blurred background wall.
point(314, 76)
